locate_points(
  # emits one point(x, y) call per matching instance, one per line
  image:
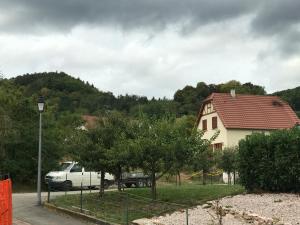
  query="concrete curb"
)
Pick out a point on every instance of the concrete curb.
point(77, 214)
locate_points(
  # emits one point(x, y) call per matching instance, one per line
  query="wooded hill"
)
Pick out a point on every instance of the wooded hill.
point(66, 93)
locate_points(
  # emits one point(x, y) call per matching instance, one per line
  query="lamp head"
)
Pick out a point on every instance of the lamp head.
point(41, 103)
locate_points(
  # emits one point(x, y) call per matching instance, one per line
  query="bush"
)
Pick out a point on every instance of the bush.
point(271, 162)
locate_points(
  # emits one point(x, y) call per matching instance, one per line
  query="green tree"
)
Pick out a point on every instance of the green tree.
point(182, 148)
point(228, 162)
point(105, 147)
point(154, 148)
point(203, 155)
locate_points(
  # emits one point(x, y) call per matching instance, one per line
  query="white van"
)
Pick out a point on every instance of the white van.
point(71, 174)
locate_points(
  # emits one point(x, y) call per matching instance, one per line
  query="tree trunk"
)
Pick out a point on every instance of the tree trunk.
point(102, 184)
point(179, 178)
point(228, 178)
point(204, 177)
point(119, 178)
point(153, 186)
point(234, 177)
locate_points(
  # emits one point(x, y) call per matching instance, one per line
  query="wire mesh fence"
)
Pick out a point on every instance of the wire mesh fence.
point(79, 192)
point(114, 207)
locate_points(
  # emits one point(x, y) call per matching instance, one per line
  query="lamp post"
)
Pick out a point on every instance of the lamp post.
point(41, 104)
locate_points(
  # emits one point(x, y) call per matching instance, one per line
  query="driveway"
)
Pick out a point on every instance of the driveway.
point(26, 212)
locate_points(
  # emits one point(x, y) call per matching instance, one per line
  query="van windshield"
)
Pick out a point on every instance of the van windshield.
point(64, 166)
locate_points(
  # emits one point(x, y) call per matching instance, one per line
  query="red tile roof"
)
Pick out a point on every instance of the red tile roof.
point(90, 121)
point(252, 111)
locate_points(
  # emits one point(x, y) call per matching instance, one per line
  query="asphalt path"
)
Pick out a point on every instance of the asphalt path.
point(27, 212)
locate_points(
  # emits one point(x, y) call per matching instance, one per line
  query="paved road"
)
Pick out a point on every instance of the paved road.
point(26, 212)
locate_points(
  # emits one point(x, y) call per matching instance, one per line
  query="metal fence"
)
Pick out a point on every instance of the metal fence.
point(115, 207)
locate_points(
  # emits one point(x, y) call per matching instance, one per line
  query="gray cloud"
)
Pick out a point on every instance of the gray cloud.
point(29, 15)
point(280, 20)
point(231, 39)
point(276, 16)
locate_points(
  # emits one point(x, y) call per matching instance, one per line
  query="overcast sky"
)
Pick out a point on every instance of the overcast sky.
point(154, 47)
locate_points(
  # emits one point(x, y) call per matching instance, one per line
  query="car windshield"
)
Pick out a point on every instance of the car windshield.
point(64, 166)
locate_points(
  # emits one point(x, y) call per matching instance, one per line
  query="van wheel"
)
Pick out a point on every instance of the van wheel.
point(106, 184)
point(67, 185)
point(139, 183)
point(148, 183)
point(128, 185)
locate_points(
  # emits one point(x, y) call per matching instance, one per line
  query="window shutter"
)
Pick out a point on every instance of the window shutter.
point(204, 125)
point(218, 146)
point(214, 122)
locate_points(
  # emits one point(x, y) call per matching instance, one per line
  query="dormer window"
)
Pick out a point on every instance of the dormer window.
point(214, 122)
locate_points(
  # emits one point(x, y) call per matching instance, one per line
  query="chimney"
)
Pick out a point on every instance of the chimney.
point(232, 93)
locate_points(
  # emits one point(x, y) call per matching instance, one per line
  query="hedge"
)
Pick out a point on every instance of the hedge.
point(271, 162)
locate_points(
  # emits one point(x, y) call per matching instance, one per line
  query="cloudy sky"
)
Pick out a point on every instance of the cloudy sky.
point(154, 47)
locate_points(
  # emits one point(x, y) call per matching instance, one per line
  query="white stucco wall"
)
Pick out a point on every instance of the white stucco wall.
point(222, 138)
point(229, 137)
point(235, 135)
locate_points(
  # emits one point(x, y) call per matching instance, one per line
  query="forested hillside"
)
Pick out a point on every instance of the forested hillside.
point(292, 96)
point(66, 93)
point(67, 99)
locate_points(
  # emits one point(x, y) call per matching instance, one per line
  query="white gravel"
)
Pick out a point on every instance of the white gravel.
point(281, 208)
point(197, 216)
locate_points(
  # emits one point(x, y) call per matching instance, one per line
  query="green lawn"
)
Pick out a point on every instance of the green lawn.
point(136, 203)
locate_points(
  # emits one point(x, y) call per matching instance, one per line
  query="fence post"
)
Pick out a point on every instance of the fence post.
point(126, 209)
point(187, 216)
point(66, 181)
point(90, 182)
point(81, 198)
point(49, 189)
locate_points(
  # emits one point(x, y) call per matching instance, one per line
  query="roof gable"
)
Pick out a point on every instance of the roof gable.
point(252, 111)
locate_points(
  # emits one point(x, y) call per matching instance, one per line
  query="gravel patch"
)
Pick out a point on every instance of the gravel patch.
point(282, 208)
point(241, 209)
point(197, 216)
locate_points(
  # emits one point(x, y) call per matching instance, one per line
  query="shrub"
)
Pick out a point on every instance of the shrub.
point(271, 162)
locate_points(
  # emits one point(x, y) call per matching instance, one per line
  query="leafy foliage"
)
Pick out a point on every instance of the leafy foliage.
point(19, 132)
point(271, 162)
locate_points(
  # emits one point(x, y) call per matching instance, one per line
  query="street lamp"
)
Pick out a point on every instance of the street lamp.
point(41, 104)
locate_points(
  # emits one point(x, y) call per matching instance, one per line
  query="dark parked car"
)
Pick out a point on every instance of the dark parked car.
point(138, 179)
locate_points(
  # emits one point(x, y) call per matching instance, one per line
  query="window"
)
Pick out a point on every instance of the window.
point(204, 125)
point(76, 168)
point(209, 107)
point(218, 146)
point(214, 122)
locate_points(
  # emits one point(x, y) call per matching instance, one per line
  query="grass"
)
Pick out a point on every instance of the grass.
point(114, 206)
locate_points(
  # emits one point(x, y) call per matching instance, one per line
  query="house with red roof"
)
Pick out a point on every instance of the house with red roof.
point(237, 115)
